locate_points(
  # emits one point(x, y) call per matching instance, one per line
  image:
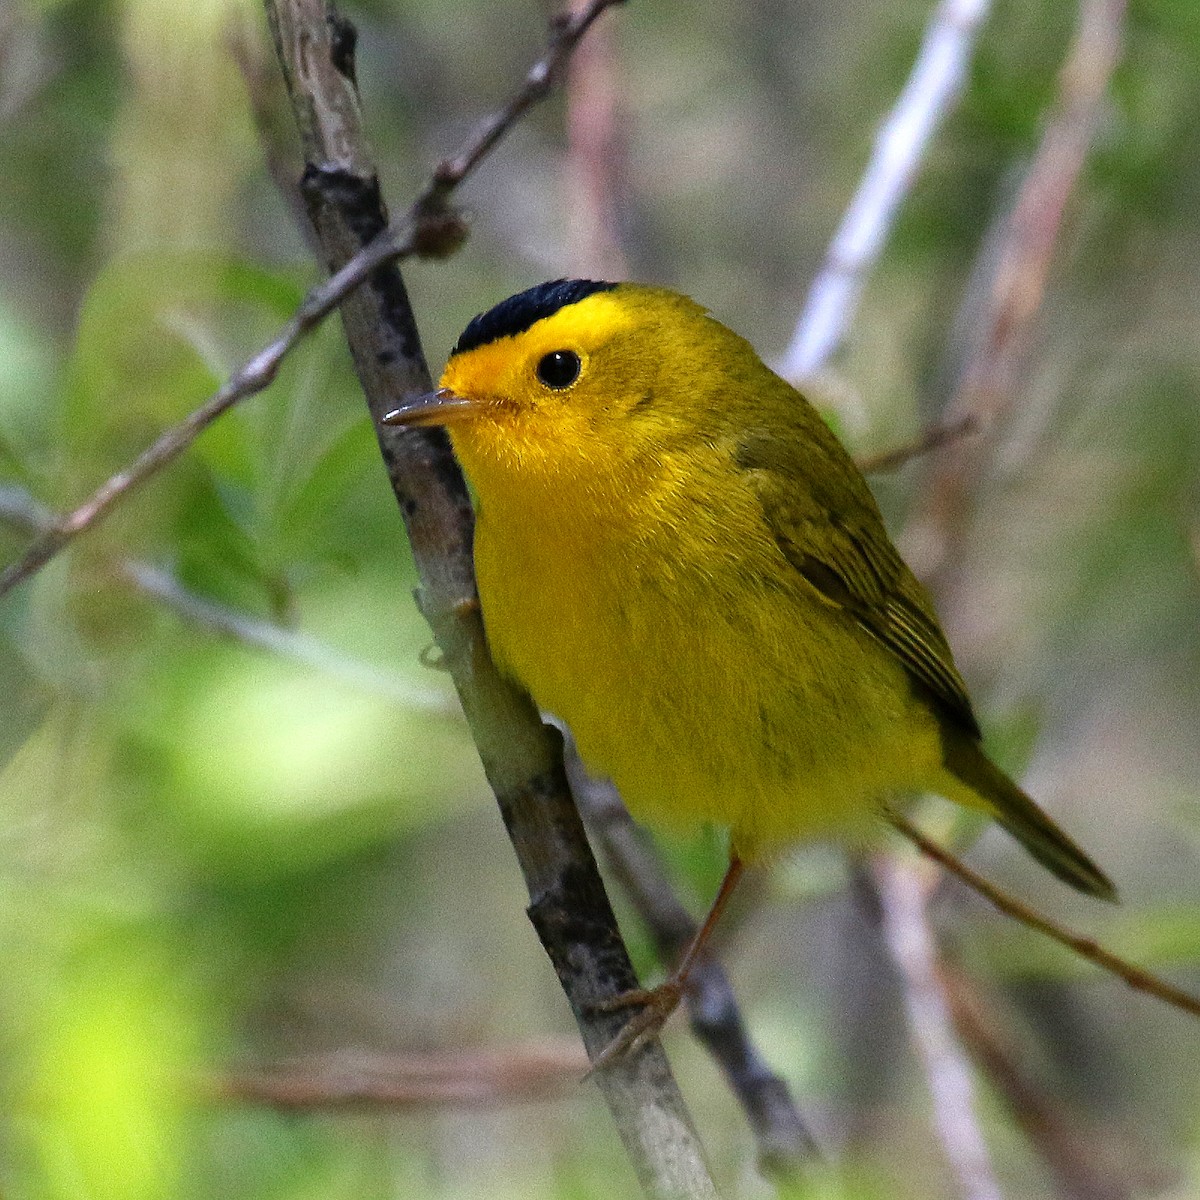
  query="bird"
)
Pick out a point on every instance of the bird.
point(677, 558)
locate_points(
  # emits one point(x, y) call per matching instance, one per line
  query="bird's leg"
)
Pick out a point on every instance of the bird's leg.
point(658, 1003)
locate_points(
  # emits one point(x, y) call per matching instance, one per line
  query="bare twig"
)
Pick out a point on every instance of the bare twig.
point(20, 510)
point(428, 229)
point(272, 116)
point(911, 944)
point(528, 1071)
point(930, 92)
point(1136, 977)
point(932, 438)
point(987, 385)
point(785, 1145)
point(254, 377)
point(1084, 1164)
point(595, 160)
point(292, 644)
point(566, 31)
point(522, 758)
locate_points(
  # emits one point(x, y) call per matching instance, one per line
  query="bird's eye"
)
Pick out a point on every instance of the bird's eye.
point(559, 369)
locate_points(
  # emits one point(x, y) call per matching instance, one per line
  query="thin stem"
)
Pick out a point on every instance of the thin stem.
point(903, 138)
point(20, 510)
point(429, 229)
point(911, 944)
point(565, 33)
point(786, 1146)
point(541, 1070)
point(933, 438)
point(255, 376)
point(1136, 977)
point(596, 159)
point(1085, 1163)
point(987, 386)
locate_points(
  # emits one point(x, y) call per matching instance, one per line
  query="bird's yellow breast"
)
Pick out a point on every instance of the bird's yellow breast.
point(662, 624)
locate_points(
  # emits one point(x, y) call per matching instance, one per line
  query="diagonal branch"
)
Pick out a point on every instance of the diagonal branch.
point(930, 92)
point(20, 510)
point(429, 229)
point(566, 30)
point(1083, 1161)
point(987, 386)
point(933, 438)
point(786, 1146)
point(255, 376)
point(1136, 977)
point(902, 903)
point(522, 758)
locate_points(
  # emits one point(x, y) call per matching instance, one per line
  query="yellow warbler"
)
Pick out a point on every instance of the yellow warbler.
point(677, 557)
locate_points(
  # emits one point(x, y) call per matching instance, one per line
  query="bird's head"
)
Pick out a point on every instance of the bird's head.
point(575, 375)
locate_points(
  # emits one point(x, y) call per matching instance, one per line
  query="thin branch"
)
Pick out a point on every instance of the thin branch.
point(256, 375)
point(20, 510)
point(531, 1071)
point(786, 1147)
point(1136, 977)
point(566, 30)
point(429, 229)
point(911, 944)
point(987, 385)
point(596, 159)
point(1084, 1163)
point(933, 438)
point(272, 115)
point(522, 759)
point(292, 644)
point(936, 79)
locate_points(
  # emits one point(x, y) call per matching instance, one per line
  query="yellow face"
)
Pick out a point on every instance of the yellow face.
point(504, 374)
point(590, 385)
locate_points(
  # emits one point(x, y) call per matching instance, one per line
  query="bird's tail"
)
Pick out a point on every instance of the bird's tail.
point(992, 790)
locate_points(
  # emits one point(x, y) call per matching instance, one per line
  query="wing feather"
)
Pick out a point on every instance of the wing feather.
point(826, 523)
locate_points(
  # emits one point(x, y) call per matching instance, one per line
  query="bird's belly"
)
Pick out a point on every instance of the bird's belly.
point(708, 703)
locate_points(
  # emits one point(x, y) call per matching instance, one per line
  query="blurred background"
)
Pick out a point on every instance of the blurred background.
point(241, 823)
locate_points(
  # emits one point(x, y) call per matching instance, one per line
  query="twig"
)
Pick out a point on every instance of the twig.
point(271, 111)
point(513, 1074)
point(291, 644)
point(932, 438)
point(786, 1147)
point(254, 377)
point(566, 30)
point(932, 87)
point(1084, 1165)
point(19, 509)
point(910, 942)
point(521, 757)
point(595, 159)
point(428, 229)
point(1136, 977)
point(986, 387)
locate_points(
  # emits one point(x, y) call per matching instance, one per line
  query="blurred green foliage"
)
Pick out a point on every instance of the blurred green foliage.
point(212, 854)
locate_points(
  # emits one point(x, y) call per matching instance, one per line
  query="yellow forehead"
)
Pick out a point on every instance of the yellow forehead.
point(581, 327)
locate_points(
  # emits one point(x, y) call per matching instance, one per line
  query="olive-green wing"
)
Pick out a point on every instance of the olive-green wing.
point(826, 522)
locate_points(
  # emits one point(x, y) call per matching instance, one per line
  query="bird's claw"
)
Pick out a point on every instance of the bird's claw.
point(655, 1007)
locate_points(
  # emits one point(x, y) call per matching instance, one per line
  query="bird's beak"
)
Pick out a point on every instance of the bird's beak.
point(440, 407)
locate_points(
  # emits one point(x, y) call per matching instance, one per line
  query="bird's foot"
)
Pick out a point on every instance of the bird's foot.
point(655, 1005)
